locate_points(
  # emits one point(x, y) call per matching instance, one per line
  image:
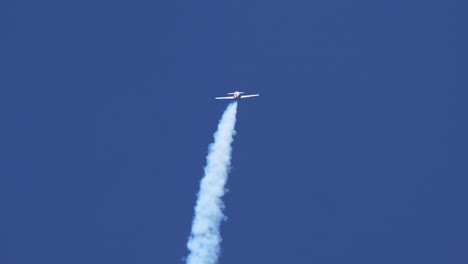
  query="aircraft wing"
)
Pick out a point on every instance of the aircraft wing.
point(250, 95)
point(227, 97)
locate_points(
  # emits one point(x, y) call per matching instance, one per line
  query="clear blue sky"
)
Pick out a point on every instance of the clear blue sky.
point(355, 152)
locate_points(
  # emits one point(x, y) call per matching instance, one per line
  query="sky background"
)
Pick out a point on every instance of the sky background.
point(355, 152)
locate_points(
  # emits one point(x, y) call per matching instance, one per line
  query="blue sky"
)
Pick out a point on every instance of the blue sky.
point(355, 152)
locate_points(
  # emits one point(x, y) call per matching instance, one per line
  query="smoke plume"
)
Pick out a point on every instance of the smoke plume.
point(205, 239)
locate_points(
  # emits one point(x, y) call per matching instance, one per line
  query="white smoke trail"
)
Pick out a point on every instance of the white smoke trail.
point(205, 238)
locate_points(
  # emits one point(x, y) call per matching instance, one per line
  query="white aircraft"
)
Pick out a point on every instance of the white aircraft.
point(237, 95)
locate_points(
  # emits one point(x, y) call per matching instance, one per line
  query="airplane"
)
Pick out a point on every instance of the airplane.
point(237, 95)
